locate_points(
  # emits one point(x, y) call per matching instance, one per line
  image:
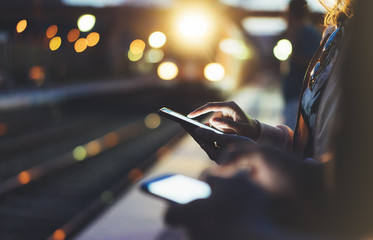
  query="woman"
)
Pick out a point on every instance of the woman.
point(256, 192)
point(317, 103)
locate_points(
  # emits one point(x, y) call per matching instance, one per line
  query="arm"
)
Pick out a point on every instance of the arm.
point(230, 118)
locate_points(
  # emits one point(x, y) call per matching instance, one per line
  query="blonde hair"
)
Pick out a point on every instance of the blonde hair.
point(337, 10)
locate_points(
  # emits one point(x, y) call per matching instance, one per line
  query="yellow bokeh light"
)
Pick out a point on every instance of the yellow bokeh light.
point(55, 43)
point(152, 121)
point(79, 153)
point(80, 45)
point(21, 26)
point(193, 25)
point(134, 57)
point(283, 50)
point(137, 46)
point(167, 70)
point(24, 177)
point(236, 48)
point(92, 39)
point(73, 35)
point(157, 39)
point(214, 72)
point(51, 31)
point(86, 22)
point(154, 55)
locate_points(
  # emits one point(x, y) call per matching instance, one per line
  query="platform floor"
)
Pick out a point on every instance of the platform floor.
point(139, 216)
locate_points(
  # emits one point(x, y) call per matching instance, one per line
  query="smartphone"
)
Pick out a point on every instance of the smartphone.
point(177, 188)
point(184, 120)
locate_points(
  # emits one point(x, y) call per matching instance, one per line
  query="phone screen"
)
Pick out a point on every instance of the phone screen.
point(189, 120)
point(177, 188)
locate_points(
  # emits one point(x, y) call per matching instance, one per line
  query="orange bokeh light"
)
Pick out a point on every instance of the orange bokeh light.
point(92, 39)
point(59, 235)
point(135, 174)
point(73, 35)
point(51, 31)
point(93, 148)
point(21, 26)
point(137, 46)
point(80, 45)
point(111, 139)
point(24, 177)
point(3, 129)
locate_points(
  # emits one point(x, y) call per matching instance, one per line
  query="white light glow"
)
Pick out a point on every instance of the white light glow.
point(270, 5)
point(214, 72)
point(86, 22)
point(193, 25)
point(264, 25)
point(154, 55)
point(236, 48)
point(157, 39)
point(283, 49)
point(167, 70)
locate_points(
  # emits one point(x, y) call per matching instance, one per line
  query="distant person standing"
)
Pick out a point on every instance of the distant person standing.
point(305, 39)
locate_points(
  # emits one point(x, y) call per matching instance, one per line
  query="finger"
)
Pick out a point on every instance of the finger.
point(211, 107)
point(225, 124)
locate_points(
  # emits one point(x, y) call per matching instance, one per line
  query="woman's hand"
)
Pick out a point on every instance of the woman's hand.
point(215, 144)
point(229, 118)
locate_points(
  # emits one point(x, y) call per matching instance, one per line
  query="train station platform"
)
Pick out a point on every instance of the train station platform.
point(139, 216)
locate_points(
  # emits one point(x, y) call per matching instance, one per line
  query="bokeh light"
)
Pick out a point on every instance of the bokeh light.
point(152, 121)
point(283, 49)
point(3, 129)
point(55, 43)
point(111, 139)
point(157, 39)
point(24, 177)
point(92, 39)
point(236, 48)
point(107, 197)
point(93, 148)
point(193, 25)
point(86, 22)
point(59, 235)
point(154, 55)
point(79, 153)
point(137, 46)
point(135, 174)
point(21, 26)
point(73, 35)
point(134, 57)
point(167, 70)
point(37, 74)
point(80, 45)
point(214, 72)
point(51, 31)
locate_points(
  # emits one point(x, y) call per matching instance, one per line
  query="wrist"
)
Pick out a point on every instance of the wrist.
point(254, 129)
